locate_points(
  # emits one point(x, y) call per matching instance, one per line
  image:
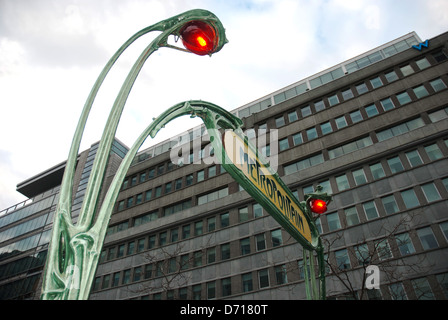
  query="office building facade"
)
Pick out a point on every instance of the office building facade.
point(372, 131)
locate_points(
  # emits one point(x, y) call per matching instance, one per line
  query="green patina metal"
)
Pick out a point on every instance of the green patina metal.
point(75, 248)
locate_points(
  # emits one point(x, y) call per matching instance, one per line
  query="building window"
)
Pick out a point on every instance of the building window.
point(116, 279)
point(174, 233)
point(347, 94)
point(362, 254)
point(247, 282)
point(356, 116)
point(406, 70)
point(405, 244)
point(260, 242)
point(297, 139)
point(226, 286)
point(333, 100)
point(342, 259)
point(409, 198)
point(211, 224)
point(359, 176)
point(395, 164)
point(258, 210)
point(198, 230)
point(304, 164)
point(371, 110)
point(306, 111)
point(370, 210)
point(423, 63)
point(280, 274)
point(438, 115)
point(186, 231)
point(433, 152)
point(377, 171)
point(276, 236)
point(387, 104)
point(279, 122)
point(292, 116)
point(225, 251)
point(403, 98)
point(224, 219)
point(342, 182)
point(350, 147)
point(341, 122)
point(197, 259)
point(431, 192)
point(326, 128)
point(414, 158)
point(263, 278)
point(212, 196)
point(361, 88)
point(333, 221)
point(211, 255)
point(351, 216)
point(200, 176)
point(151, 242)
point(311, 134)
point(383, 249)
point(148, 195)
point(391, 76)
point(283, 144)
point(245, 246)
point(420, 91)
point(158, 191)
point(319, 105)
point(438, 85)
point(422, 289)
point(376, 82)
point(427, 238)
point(211, 290)
point(390, 205)
point(126, 276)
point(141, 243)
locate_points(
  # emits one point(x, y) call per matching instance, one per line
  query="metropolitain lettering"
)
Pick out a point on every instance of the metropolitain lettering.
point(253, 170)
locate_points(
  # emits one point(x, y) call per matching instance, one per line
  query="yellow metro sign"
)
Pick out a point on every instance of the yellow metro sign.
point(251, 171)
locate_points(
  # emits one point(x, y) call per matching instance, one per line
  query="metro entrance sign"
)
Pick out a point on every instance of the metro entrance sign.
point(255, 176)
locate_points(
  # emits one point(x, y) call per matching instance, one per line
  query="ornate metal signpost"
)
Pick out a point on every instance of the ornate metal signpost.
point(75, 248)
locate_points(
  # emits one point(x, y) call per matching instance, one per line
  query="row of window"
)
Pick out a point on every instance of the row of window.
point(186, 231)
point(168, 187)
point(366, 141)
point(343, 259)
point(385, 205)
point(359, 89)
point(358, 115)
point(380, 250)
point(390, 166)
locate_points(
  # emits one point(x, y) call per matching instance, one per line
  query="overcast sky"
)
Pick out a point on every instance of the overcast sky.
point(51, 52)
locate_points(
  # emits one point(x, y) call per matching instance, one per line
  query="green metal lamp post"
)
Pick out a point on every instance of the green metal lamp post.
point(74, 248)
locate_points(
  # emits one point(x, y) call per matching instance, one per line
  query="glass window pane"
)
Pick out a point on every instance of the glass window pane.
point(414, 158)
point(370, 210)
point(405, 244)
point(351, 215)
point(431, 192)
point(333, 221)
point(395, 165)
point(433, 152)
point(410, 199)
point(390, 205)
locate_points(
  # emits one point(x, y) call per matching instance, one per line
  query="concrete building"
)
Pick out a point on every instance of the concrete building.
point(373, 131)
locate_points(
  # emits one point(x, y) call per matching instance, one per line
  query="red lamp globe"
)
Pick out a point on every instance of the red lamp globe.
point(318, 206)
point(199, 37)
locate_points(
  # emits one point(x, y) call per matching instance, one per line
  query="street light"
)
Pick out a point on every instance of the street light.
point(74, 249)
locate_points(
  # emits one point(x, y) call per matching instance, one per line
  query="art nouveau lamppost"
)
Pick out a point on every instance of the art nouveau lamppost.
point(75, 248)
